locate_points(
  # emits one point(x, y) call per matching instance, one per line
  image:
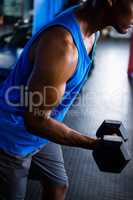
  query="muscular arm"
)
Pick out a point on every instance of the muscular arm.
point(55, 62)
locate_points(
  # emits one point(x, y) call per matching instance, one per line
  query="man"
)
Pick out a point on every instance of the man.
point(51, 72)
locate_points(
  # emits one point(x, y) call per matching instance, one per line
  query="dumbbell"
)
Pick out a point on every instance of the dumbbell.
point(112, 154)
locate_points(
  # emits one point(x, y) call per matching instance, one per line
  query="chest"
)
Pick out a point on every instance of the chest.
point(83, 64)
point(89, 42)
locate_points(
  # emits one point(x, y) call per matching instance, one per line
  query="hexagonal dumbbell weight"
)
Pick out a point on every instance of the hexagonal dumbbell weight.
point(112, 154)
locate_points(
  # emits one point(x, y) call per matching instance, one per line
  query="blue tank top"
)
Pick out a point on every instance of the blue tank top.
point(14, 138)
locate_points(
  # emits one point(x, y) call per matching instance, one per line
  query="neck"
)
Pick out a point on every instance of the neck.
point(90, 20)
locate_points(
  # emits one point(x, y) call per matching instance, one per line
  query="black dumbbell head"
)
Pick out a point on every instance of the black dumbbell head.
point(112, 154)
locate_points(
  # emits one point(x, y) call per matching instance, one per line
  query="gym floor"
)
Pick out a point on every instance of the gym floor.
point(108, 94)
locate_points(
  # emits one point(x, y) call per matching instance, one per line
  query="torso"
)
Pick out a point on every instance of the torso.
point(89, 42)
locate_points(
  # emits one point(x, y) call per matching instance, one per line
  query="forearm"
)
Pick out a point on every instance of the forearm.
point(60, 133)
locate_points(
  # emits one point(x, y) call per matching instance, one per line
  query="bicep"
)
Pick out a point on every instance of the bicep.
point(52, 69)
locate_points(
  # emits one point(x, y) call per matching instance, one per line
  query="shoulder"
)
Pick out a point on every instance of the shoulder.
point(57, 40)
point(56, 54)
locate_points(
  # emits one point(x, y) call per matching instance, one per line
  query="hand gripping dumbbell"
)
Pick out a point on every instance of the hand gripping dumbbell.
point(112, 154)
